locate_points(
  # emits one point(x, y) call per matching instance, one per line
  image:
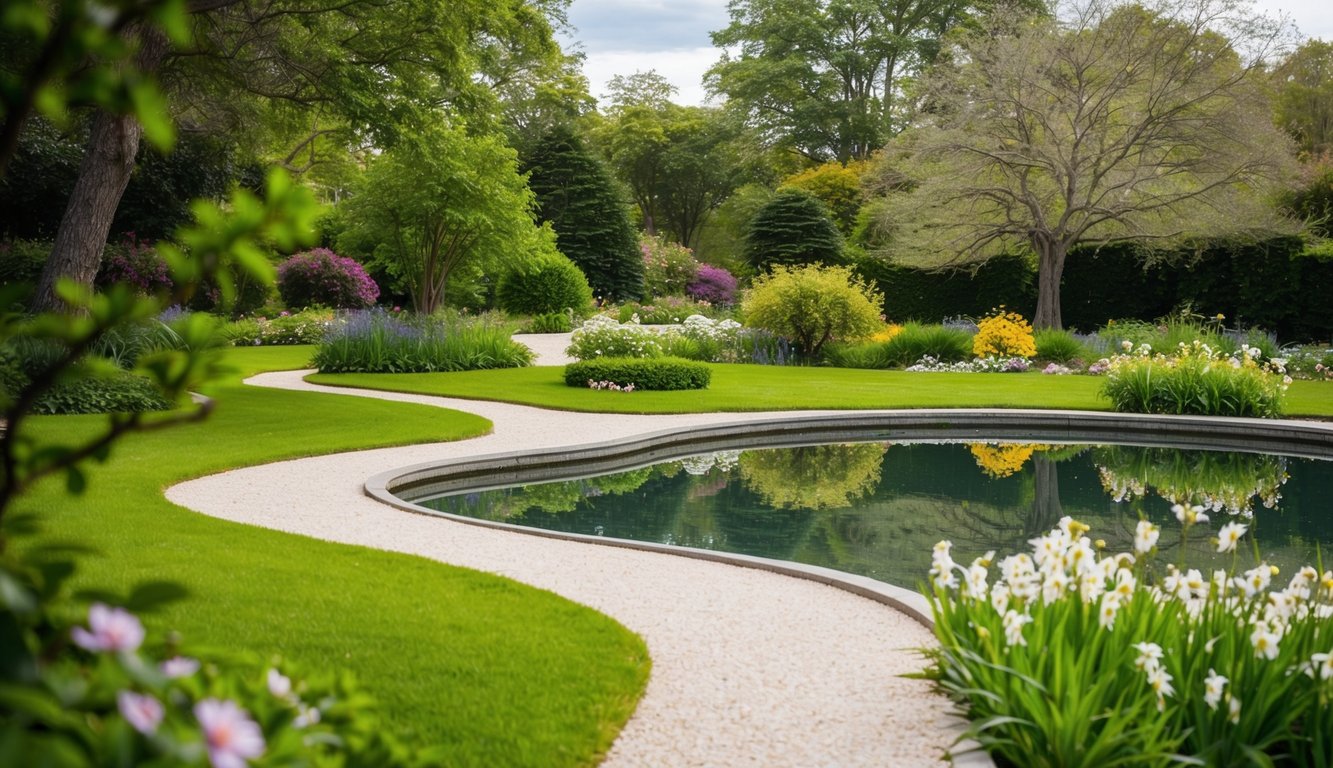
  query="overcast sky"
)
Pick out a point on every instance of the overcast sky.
point(621, 37)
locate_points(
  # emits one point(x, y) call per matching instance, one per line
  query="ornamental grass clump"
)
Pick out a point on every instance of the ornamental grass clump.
point(1004, 334)
point(378, 342)
point(915, 341)
point(1076, 656)
point(1197, 380)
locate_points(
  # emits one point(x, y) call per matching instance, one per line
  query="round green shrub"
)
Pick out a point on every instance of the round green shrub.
point(1057, 346)
point(551, 283)
point(21, 261)
point(657, 373)
point(794, 228)
point(813, 305)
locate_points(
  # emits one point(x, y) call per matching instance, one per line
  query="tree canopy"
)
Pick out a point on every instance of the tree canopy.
point(1304, 82)
point(439, 200)
point(1119, 123)
point(825, 78)
point(577, 195)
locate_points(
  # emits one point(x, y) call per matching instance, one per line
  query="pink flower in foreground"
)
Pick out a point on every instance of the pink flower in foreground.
point(109, 629)
point(233, 738)
point(143, 713)
point(179, 666)
point(279, 684)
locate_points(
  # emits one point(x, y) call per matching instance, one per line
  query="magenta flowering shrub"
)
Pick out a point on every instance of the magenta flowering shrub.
point(136, 263)
point(714, 285)
point(322, 277)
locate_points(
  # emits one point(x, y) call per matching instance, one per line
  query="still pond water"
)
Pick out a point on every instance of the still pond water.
point(876, 509)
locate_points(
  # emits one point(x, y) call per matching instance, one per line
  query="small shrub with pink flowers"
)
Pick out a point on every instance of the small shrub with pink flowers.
point(320, 277)
point(667, 267)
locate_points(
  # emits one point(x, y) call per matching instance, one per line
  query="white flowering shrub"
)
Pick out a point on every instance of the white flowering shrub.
point(990, 364)
point(1196, 379)
point(1074, 656)
point(603, 336)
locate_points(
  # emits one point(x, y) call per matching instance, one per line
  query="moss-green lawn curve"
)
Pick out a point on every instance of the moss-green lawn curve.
point(764, 388)
point(497, 672)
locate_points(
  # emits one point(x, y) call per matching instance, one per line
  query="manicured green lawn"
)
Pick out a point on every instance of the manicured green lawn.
point(501, 673)
point(762, 388)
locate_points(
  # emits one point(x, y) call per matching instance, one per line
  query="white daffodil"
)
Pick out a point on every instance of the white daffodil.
point(1110, 607)
point(1229, 536)
point(1213, 686)
point(1145, 536)
point(999, 597)
point(1013, 627)
point(1150, 655)
point(1265, 642)
point(1321, 666)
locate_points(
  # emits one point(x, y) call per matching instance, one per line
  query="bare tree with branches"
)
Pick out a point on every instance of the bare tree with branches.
point(1105, 123)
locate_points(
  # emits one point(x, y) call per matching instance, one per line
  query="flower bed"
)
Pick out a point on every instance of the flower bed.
point(1074, 656)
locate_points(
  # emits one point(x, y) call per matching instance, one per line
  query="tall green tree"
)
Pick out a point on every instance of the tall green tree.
point(438, 201)
point(1304, 82)
point(369, 67)
point(678, 162)
point(825, 78)
point(577, 195)
point(1120, 123)
point(794, 228)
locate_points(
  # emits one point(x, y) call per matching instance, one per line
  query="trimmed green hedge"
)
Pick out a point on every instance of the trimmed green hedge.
point(661, 373)
point(912, 294)
point(1280, 285)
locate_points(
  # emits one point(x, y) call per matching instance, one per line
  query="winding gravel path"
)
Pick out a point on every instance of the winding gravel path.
point(750, 668)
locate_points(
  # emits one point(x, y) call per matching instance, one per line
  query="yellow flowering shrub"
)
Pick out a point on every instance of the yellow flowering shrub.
point(887, 333)
point(1005, 334)
point(1002, 459)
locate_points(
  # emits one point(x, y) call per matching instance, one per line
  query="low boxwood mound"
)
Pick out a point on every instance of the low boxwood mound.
point(662, 373)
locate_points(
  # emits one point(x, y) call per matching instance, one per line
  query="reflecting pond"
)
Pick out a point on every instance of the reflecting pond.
point(877, 508)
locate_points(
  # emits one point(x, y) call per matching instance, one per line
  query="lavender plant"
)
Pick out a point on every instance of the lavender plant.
point(375, 341)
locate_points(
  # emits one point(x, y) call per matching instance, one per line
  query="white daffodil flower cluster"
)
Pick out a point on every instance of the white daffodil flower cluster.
point(1065, 565)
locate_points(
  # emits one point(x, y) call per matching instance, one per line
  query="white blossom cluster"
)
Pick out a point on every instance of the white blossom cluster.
point(1066, 565)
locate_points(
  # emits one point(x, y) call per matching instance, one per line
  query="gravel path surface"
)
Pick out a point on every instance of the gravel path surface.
point(750, 668)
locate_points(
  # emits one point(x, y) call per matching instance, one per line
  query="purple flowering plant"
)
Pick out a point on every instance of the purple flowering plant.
point(135, 263)
point(714, 285)
point(322, 277)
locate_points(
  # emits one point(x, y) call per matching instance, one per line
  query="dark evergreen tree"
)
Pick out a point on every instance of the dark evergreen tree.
point(794, 228)
point(576, 194)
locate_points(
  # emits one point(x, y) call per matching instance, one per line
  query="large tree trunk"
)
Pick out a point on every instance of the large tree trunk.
point(1046, 507)
point(1050, 269)
point(104, 173)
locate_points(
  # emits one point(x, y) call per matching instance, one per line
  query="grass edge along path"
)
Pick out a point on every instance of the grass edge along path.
point(498, 672)
point(765, 388)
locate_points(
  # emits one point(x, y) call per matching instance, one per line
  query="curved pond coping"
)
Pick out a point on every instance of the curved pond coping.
point(1294, 438)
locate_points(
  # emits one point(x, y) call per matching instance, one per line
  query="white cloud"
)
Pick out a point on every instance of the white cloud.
point(621, 37)
point(683, 68)
point(1312, 17)
point(646, 25)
